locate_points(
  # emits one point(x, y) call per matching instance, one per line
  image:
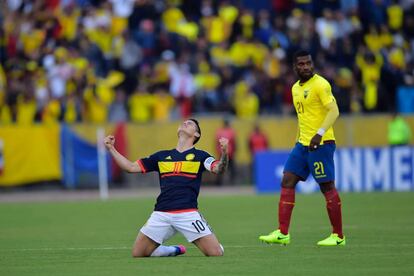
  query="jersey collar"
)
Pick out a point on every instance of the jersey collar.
point(302, 84)
point(184, 151)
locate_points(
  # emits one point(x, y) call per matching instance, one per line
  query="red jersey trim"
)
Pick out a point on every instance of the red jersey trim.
point(141, 165)
point(179, 174)
point(181, 211)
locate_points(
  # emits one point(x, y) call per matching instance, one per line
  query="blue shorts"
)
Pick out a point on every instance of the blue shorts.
point(320, 162)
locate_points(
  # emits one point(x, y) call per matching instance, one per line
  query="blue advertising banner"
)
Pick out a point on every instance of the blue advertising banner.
point(79, 160)
point(356, 169)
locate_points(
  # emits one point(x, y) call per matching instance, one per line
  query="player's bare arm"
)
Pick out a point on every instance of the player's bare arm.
point(331, 116)
point(224, 159)
point(123, 163)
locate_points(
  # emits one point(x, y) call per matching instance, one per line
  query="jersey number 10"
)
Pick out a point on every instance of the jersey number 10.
point(199, 226)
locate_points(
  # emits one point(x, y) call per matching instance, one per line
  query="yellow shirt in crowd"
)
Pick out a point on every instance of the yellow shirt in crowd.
point(32, 40)
point(228, 13)
point(140, 106)
point(96, 107)
point(395, 17)
point(163, 103)
point(71, 113)
point(26, 111)
point(246, 103)
point(171, 18)
point(51, 112)
point(69, 23)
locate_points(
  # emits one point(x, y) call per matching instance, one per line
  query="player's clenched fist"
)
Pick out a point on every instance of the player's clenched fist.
point(224, 142)
point(109, 141)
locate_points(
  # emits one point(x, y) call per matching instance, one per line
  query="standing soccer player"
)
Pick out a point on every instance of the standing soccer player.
point(176, 210)
point(313, 153)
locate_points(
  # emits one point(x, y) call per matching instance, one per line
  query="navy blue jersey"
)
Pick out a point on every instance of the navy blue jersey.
point(179, 175)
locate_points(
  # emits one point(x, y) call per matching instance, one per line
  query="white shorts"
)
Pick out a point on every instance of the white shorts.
point(162, 225)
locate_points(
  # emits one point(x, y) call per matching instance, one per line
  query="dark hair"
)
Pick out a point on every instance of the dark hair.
point(300, 53)
point(198, 129)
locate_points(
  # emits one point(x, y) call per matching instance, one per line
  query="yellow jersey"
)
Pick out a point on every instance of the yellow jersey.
point(310, 99)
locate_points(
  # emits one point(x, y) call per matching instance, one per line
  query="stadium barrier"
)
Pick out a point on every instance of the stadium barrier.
point(357, 170)
point(144, 139)
point(30, 154)
point(80, 160)
point(42, 152)
point(39, 153)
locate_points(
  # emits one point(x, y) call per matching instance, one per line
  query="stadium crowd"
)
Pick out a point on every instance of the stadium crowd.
point(141, 60)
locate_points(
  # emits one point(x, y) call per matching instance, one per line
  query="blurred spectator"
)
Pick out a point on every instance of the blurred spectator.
point(344, 89)
point(395, 15)
point(246, 103)
point(392, 77)
point(52, 112)
point(26, 108)
point(118, 112)
point(59, 72)
point(72, 108)
point(163, 105)
point(399, 132)
point(327, 28)
point(206, 83)
point(182, 88)
point(145, 38)
point(123, 8)
point(257, 141)
point(130, 58)
point(226, 131)
point(140, 105)
point(370, 65)
point(206, 55)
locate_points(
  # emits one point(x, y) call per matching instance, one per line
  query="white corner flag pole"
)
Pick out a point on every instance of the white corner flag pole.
point(102, 168)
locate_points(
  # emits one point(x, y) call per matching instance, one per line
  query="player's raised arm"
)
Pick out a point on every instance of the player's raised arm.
point(123, 163)
point(221, 165)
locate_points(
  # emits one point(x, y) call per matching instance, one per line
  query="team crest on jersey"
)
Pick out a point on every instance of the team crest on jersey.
point(189, 157)
point(168, 157)
point(305, 93)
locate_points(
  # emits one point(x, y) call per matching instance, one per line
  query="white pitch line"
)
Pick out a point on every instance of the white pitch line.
point(65, 248)
point(229, 246)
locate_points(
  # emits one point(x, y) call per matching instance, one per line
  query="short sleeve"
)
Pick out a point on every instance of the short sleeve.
point(149, 164)
point(325, 93)
point(207, 160)
point(209, 163)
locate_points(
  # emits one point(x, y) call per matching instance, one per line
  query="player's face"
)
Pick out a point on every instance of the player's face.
point(303, 67)
point(188, 127)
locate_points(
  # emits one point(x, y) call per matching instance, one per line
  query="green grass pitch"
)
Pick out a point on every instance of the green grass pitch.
point(94, 238)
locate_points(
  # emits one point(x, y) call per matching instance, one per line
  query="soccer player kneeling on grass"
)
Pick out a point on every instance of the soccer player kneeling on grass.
point(313, 153)
point(180, 172)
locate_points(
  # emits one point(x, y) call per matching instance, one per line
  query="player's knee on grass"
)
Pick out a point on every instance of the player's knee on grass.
point(209, 246)
point(143, 246)
point(139, 253)
point(215, 251)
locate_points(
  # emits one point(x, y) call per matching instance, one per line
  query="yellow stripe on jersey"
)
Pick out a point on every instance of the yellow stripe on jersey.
point(310, 100)
point(179, 167)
